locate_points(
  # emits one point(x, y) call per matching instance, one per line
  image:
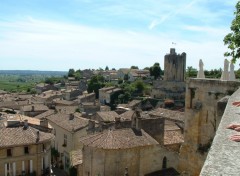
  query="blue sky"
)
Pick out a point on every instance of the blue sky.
point(63, 34)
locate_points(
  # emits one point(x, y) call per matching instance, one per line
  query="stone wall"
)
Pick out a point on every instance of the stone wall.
point(139, 160)
point(201, 120)
point(35, 154)
point(168, 90)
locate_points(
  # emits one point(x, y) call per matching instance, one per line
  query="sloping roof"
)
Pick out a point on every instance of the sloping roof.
point(21, 118)
point(168, 114)
point(124, 70)
point(70, 124)
point(45, 114)
point(173, 137)
point(20, 136)
point(119, 139)
point(66, 109)
point(133, 103)
point(107, 115)
point(76, 157)
point(127, 115)
point(37, 107)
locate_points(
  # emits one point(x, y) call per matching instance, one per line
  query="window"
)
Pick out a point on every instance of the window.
point(9, 152)
point(65, 140)
point(43, 148)
point(26, 150)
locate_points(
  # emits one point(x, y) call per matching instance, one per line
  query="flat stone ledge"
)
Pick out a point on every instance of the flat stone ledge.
point(224, 155)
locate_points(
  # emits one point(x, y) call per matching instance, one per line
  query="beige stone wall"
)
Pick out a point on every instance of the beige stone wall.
point(73, 141)
point(35, 154)
point(139, 161)
point(168, 89)
point(201, 120)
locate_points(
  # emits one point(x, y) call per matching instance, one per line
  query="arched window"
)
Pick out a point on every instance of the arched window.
point(164, 163)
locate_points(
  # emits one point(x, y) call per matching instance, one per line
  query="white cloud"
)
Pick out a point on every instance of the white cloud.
point(59, 46)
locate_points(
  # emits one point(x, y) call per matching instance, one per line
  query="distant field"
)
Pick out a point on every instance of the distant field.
point(24, 80)
point(15, 86)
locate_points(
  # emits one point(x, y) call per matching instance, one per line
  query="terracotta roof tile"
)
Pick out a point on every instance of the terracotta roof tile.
point(119, 139)
point(173, 137)
point(168, 114)
point(70, 124)
point(20, 136)
point(108, 115)
point(76, 157)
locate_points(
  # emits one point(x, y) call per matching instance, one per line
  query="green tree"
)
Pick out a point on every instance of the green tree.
point(77, 75)
point(139, 86)
point(134, 67)
point(126, 77)
point(232, 40)
point(191, 72)
point(106, 68)
point(156, 71)
point(95, 83)
point(71, 72)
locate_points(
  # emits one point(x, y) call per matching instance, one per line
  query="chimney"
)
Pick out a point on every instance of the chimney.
point(33, 108)
point(25, 125)
point(91, 124)
point(44, 123)
point(136, 120)
point(117, 123)
point(71, 116)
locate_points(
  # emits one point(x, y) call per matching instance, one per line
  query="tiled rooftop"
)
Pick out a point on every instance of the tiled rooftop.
point(127, 115)
point(167, 114)
point(64, 121)
point(119, 139)
point(37, 107)
point(173, 137)
point(45, 114)
point(108, 115)
point(20, 136)
point(76, 157)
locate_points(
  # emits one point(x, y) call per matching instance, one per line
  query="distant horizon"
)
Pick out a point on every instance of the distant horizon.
point(79, 34)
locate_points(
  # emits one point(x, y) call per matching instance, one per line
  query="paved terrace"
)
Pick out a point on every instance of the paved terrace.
point(224, 155)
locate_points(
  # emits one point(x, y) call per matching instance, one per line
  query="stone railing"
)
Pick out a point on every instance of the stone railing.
point(224, 155)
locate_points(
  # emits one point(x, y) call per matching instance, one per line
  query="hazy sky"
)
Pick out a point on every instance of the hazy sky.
point(63, 34)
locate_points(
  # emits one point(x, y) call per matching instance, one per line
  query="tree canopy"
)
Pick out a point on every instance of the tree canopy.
point(95, 83)
point(232, 40)
point(156, 71)
point(134, 67)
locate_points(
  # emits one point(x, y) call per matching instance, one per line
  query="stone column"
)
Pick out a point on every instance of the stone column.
point(232, 74)
point(200, 71)
point(225, 74)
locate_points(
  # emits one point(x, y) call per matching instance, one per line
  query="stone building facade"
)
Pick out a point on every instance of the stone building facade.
point(111, 152)
point(24, 150)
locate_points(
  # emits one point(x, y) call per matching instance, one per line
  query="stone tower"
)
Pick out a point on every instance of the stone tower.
point(174, 66)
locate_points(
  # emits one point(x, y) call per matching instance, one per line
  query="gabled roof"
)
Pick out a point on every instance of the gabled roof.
point(167, 114)
point(119, 139)
point(76, 157)
point(127, 115)
point(66, 122)
point(19, 136)
point(107, 116)
point(37, 107)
